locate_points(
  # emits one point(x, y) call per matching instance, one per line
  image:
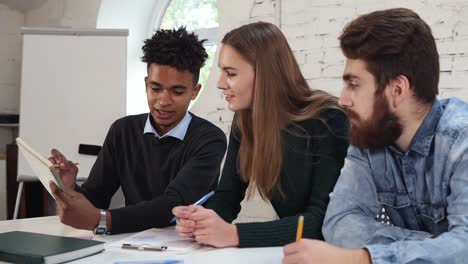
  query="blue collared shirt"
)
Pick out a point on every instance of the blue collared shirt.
point(424, 193)
point(178, 131)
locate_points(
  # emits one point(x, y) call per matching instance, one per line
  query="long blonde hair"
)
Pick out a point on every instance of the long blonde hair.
point(281, 96)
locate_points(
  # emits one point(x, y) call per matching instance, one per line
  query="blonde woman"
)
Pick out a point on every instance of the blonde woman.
point(287, 145)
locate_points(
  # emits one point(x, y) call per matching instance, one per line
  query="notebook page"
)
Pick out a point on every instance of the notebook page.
point(41, 166)
point(157, 237)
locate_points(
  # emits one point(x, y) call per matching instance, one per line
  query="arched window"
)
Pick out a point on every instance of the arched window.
point(142, 18)
point(199, 16)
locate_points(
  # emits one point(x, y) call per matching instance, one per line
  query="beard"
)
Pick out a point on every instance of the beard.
point(382, 129)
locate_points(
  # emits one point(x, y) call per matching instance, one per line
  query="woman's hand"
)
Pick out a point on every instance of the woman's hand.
point(205, 226)
point(184, 226)
point(211, 229)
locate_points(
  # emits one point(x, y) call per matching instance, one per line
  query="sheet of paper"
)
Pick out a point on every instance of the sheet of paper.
point(157, 237)
point(39, 164)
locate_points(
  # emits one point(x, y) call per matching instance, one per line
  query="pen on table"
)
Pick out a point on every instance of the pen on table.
point(164, 261)
point(58, 165)
point(199, 202)
point(143, 247)
point(300, 226)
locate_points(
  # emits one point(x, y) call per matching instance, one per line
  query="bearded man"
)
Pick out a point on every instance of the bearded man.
point(402, 196)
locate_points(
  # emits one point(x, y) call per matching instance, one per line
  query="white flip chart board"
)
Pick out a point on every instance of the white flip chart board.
point(73, 86)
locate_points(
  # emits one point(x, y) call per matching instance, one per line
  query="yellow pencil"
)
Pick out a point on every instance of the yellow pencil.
point(58, 165)
point(300, 226)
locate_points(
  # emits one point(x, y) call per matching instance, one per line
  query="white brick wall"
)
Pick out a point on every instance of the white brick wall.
point(312, 28)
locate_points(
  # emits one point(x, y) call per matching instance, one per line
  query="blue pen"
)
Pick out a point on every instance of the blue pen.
point(199, 202)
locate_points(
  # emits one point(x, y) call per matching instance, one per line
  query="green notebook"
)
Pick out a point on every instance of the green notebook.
point(26, 247)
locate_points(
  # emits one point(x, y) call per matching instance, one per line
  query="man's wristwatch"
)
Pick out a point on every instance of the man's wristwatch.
point(101, 228)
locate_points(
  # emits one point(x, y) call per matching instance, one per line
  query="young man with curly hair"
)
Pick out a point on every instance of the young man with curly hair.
point(166, 158)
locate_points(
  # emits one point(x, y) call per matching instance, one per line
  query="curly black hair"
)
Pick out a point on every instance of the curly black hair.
point(176, 48)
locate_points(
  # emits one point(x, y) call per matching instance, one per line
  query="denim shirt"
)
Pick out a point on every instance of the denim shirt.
point(424, 193)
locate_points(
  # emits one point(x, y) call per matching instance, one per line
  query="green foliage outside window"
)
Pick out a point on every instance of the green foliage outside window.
point(193, 14)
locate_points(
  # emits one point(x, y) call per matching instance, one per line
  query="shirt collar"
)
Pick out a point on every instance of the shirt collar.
point(178, 131)
point(422, 140)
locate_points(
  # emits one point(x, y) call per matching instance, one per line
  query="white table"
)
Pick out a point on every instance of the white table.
point(51, 225)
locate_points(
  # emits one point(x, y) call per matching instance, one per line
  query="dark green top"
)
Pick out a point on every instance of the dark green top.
point(314, 152)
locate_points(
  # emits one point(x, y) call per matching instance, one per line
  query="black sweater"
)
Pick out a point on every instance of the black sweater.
point(313, 155)
point(155, 174)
